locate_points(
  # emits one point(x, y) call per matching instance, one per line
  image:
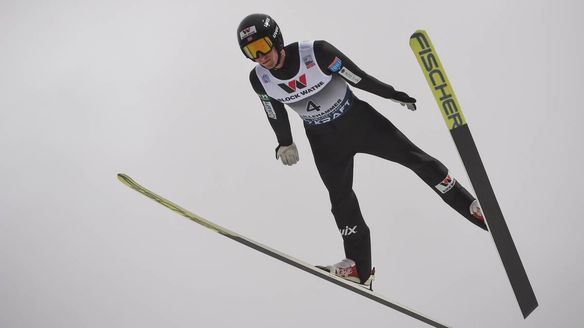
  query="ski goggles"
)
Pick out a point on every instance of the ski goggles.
point(263, 46)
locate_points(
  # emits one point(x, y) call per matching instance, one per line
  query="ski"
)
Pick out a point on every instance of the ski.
point(456, 123)
point(277, 254)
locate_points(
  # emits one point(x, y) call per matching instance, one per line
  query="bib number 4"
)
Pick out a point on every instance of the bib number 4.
point(312, 107)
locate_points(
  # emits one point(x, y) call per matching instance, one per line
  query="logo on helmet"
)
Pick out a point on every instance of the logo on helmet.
point(267, 22)
point(246, 32)
point(276, 31)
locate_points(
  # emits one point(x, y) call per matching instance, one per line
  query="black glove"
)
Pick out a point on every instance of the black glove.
point(404, 100)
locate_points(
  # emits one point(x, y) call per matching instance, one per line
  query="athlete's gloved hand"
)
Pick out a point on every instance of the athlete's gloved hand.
point(288, 154)
point(404, 100)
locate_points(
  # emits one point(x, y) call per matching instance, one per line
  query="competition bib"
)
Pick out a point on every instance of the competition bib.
point(317, 97)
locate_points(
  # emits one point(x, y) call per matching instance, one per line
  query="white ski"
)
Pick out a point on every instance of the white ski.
point(277, 254)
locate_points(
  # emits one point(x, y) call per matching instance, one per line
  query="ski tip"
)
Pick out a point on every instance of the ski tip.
point(124, 177)
point(417, 33)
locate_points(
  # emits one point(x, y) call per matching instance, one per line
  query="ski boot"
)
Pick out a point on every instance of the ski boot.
point(477, 214)
point(347, 269)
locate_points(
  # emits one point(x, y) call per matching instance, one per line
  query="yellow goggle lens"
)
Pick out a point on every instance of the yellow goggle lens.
point(263, 45)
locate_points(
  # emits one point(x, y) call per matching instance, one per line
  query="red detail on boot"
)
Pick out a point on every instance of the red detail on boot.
point(479, 216)
point(348, 272)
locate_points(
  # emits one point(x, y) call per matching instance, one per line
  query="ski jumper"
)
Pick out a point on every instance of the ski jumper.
point(314, 82)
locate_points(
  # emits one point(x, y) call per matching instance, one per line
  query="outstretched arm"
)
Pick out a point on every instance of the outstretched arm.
point(333, 61)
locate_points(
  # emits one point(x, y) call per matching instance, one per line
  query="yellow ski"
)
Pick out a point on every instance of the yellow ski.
point(276, 254)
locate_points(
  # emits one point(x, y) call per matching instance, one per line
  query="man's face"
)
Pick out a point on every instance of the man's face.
point(269, 60)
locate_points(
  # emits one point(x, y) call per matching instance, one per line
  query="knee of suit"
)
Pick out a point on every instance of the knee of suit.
point(338, 194)
point(347, 211)
point(429, 170)
point(342, 201)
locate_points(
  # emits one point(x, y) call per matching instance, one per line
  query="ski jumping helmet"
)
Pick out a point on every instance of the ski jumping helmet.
point(259, 33)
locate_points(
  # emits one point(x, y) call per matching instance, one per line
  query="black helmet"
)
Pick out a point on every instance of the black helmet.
point(259, 27)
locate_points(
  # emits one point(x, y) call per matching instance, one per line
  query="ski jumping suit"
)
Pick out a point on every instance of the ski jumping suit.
point(314, 83)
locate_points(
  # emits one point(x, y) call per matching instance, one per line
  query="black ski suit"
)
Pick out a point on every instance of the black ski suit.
point(355, 128)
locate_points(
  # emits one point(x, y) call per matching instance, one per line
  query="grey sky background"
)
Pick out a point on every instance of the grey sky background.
point(159, 90)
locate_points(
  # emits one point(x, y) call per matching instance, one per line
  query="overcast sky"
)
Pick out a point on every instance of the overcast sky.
point(159, 90)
